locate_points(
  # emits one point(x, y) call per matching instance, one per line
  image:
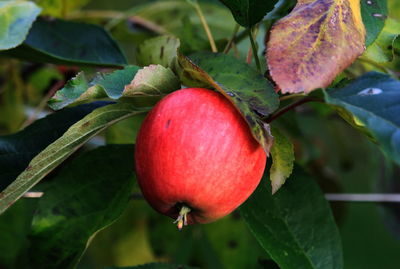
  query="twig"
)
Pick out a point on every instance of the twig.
point(254, 48)
point(43, 103)
point(249, 56)
point(334, 197)
point(370, 197)
point(196, 5)
point(33, 194)
point(229, 45)
point(290, 107)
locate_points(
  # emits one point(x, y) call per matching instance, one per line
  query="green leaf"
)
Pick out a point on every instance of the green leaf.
point(62, 148)
point(79, 89)
point(158, 50)
point(374, 103)
point(248, 90)
point(249, 12)
point(235, 245)
point(153, 80)
point(374, 14)
point(382, 49)
point(66, 42)
point(16, 18)
point(282, 153)
point(15, 226)
point(155, 266)
point(159, 13)
point(295, 226)
point(87, 195)
point(56, 8)
point(18, 149)
point(394, 9)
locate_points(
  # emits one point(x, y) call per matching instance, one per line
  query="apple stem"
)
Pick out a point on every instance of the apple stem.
point(182, 218)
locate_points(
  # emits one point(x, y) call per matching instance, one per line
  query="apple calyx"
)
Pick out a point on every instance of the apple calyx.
point(182, 218)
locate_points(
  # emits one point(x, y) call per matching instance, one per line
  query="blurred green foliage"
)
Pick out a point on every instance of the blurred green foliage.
point(338, 157)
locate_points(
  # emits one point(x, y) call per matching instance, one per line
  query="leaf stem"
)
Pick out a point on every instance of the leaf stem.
point(290, 107)
point(229, 44)
point(290, 96)
point(210, 37)
point(254, 47)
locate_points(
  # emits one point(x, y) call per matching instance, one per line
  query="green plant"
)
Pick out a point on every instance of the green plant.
point(292, 69)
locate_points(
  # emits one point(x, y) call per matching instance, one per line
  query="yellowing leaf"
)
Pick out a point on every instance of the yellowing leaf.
point(282, 160)
point(308, 48)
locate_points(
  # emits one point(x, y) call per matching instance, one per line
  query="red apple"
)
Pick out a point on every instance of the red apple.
point(196, 158)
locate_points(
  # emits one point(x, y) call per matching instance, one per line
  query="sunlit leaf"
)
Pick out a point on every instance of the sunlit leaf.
point(153, 80)
point(394, 9)
point(59, 8)
point(62, 148)
point(104, 85)
point(87, 195)
point(252, 94)
point(295, 226)
point(373, 100)
point(309, 47)
point(249, 12)
point(381, 50)
point(16, 18)
point(158, 50)
point(282, 153)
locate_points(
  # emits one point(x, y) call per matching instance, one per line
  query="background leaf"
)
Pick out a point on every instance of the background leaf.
point(282, 152)
point(374, 102)
point(158, 50)
point(18, 149)
point(248, 90)
point(14, 239)
point(159, 14)
point(16, 20)
point(295, 226)
point(374, 14)
point(309, 47)
point(382, 49)
point(63, 147)
point(155, 266)
point(87, 195)
point(79, 89)
point(249, 12)
point(59, 8)
point(66, 42)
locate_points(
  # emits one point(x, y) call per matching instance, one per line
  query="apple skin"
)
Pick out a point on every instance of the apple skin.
point(195, 149)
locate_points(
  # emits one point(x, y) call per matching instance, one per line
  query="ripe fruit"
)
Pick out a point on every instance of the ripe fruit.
point(196, 158)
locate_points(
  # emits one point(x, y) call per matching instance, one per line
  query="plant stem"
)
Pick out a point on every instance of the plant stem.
point(43, 103)
point(290, 107)
point(286, 97)
point(254, 47)
point(182, 218)
point(205, 25)
point(64, 9)
point(229, 45)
